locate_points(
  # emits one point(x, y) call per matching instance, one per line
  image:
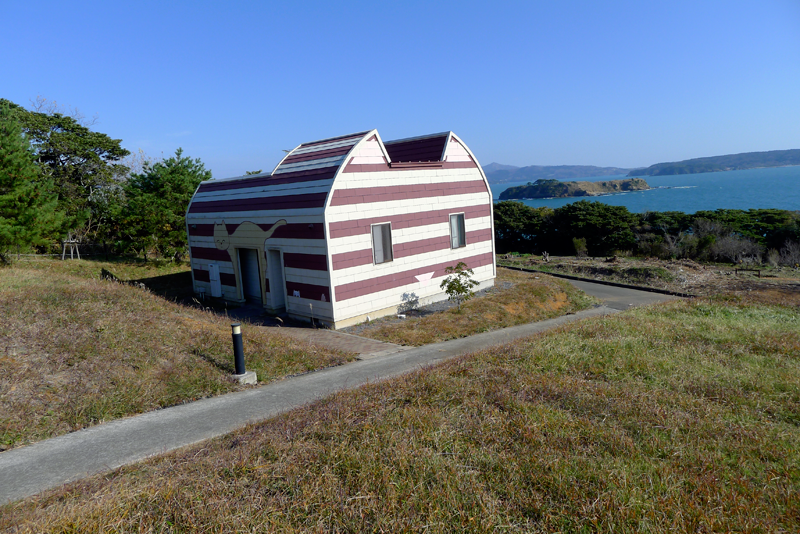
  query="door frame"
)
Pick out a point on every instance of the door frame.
point(272, 253)
point(260, 276)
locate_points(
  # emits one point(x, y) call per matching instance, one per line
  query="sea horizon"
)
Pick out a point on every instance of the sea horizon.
point(761, 188)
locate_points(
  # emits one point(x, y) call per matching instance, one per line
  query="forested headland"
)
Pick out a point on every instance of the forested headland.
point(730, 162)
point(597, 229)
point(59, 178)
point(558, 189)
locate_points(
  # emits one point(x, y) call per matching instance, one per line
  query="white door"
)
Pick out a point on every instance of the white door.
point(249, 274)
point(213, 276)
point(276, 289)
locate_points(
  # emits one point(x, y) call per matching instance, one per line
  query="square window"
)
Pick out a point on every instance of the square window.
point(382, 242)
point(458, 237)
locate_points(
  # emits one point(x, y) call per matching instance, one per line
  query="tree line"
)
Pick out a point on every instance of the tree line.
point(60, 179)
point(597, 229)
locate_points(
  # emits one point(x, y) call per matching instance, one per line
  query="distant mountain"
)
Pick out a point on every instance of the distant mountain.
point(498, 174)
point(494, 167)
point(731, 162)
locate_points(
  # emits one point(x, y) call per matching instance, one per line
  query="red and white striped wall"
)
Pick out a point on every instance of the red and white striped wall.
point(296, 193)
point(323, 198)
point(440, 177)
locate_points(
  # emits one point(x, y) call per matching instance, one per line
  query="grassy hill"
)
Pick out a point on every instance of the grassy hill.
point(77, 350)
point(678, 417)
point(81, 350)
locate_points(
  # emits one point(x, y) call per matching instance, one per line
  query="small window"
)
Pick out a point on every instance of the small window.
point(458, 237)
point(382, 242)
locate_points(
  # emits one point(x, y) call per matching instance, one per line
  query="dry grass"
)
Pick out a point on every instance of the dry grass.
point(679, 417)
point(686, 276)
point(77, 350)
point(527, 298)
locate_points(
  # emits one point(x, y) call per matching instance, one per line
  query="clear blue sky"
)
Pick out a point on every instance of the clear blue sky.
point(610, 83)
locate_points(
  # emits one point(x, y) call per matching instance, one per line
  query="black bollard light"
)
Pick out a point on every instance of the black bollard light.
point(238, 350)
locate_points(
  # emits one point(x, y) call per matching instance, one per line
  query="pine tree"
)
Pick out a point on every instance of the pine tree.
point(157, 201)
point(28, 207)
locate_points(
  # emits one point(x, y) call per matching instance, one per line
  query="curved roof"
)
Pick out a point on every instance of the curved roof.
point(310, 158)
point(305, 175)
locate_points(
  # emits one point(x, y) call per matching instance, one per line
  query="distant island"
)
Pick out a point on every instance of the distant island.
point(550, 188)
point(499, 174)
point(731, 162)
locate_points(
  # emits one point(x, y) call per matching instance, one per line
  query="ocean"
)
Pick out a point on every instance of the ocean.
point(776, 187)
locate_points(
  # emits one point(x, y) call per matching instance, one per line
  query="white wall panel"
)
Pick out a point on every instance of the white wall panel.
point(411, 205)
point(354, 180)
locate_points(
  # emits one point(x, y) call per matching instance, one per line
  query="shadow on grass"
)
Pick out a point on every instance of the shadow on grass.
point(222, 366)
point(177, 286)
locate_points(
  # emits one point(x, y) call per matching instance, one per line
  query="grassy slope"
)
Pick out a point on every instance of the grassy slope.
point(78, 350)
point(678, 417)
point(530, 298)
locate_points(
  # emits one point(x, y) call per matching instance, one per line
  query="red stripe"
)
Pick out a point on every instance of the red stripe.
point(374, 167)
point(422, 246)
point(351, 259)
point(311, 175)
point(367, 195)
point(391, 281)
point(308, 291)
point(366, 167)
point(287, 231)
point(203, 253)
point(286, 202)
point(407, 220)
point(403, 250)
point(478, 236)
point(460, 164)
point(314, 262)
point(225, 279)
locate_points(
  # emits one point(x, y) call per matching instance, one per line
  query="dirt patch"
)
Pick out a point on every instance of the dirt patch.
point(558, 301)
point(684, 276)
point(513, 308)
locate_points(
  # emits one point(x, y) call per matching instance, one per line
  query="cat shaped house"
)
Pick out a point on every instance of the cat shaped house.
point(345, 229)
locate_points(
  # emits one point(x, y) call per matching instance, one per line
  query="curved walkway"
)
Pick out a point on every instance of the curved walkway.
point(29, 470)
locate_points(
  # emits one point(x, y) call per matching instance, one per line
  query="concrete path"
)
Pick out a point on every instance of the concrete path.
point(620, 298)
point(50, 463)
point(363, 346)
point(29, 470)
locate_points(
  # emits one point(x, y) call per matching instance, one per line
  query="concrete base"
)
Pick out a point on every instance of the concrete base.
point(249, 377)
